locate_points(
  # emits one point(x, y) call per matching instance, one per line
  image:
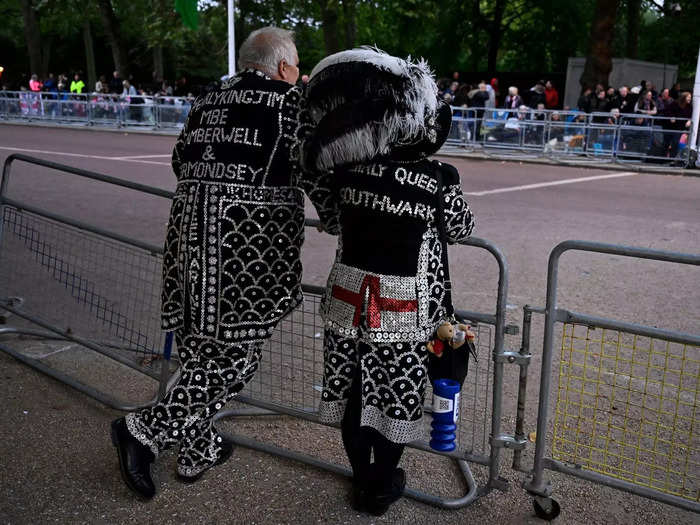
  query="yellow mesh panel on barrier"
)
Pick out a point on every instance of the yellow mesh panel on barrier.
point(628, 407)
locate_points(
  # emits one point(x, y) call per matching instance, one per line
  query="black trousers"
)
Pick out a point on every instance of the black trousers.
point(360, 442)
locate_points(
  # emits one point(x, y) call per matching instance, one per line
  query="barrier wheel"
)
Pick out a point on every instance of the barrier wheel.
point(546, 508)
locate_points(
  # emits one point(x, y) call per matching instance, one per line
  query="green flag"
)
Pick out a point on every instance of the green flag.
point(188, 12)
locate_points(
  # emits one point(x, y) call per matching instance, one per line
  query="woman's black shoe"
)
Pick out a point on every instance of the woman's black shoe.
point(224, 455)
point(380, 502)
point(134, 460)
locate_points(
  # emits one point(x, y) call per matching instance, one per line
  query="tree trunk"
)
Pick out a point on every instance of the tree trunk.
point(45, 56)
point(349, 13)
point(158, 68)
point(599, 58)
point(113, 33)
point(32, 38)
point(495, 34)
point(634, 17)
point(89, 56)
point(475, 23)
point(329, 19)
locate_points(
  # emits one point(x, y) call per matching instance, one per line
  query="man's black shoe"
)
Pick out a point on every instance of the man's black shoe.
point(380, 502)
point(226, 452)
point(360, 494)
point(134, 460)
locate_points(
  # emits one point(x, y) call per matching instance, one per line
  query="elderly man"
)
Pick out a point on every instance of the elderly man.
point(231, 268)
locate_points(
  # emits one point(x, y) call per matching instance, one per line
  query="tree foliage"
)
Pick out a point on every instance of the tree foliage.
point(149, 40)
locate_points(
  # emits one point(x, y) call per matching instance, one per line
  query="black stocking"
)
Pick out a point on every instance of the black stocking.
point(355, 439)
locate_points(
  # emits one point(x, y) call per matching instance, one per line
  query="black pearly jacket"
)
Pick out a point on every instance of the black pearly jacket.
point(389, 264)
point(231, 267)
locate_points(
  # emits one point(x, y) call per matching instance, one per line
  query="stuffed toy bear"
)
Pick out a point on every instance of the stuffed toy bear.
point(448, 334)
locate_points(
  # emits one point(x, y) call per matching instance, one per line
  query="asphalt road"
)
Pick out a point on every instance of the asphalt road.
point(524, 209)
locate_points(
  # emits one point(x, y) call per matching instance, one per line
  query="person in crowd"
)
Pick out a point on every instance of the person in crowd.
point(664, 101)
point(50, 85)
point(675, 91)
point(462, 96)
point(610, 95)
point(646, 106)
point(513, 100)
point(551, 96)
point(181, 87)
point(584, 101)
point(491, 102)
point(537, 95)
point(34, 84)
point(480, 99)
point(539, 113)
point(614, 118)
point(452, 89)
point(100, 85)
point(166, 89)
point(116, 84)
point(650, 87)
point(128, 90)
point(599, 104)
point(624, 100)
point(496, 91)
point(77, 85)
point(556, 127)
point(33, 98)
point(386, 293)
point(637, 138)
point(680, 113)
point(236, 197)
point(51, 88)
point(443, 85)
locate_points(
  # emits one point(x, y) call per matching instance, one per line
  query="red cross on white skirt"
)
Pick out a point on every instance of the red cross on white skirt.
point(376, 303)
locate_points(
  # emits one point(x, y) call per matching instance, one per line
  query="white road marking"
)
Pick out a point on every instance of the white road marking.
point(553, 183)
point(82, 155)
point(129, 157)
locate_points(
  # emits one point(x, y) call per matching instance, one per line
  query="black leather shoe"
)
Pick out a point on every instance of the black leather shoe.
point(379, 502)
point(134, 460)
point(224, 454)
point(360, 494)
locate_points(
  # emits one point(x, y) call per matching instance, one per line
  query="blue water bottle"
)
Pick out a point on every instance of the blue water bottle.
point(445, 414)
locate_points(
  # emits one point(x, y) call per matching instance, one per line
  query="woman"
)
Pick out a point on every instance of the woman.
point(646, 105)
point(513, 100)
point(368, 123)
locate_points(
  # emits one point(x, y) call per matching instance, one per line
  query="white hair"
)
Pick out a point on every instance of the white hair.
point(265, 48)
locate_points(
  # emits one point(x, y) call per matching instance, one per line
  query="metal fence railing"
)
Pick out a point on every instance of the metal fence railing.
point(96, 109)
point(624, 413)
point(559, 135)
point(626, 399)
point(65, 279)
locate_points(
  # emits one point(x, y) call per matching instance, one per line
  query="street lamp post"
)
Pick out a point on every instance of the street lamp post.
point(231, 41)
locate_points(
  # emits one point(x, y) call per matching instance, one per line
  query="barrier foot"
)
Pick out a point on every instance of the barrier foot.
point(472, 494)
point(546, 508)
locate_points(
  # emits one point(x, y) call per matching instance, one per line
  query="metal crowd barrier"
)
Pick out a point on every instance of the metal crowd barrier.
point(603, 137)
point(80, 283)
point(626, 408)
point(96, 109)
point(65, 279)
point(558, 135)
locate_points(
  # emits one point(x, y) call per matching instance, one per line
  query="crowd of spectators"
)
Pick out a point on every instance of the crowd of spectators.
point(118, 97)
point(670, 108)
point(488, 95)
point(116, 86)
